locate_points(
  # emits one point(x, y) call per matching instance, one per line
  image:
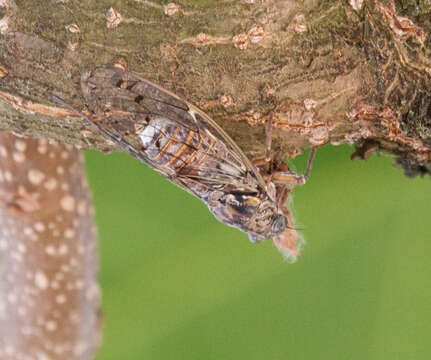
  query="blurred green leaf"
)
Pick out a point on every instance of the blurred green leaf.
point(179, 284)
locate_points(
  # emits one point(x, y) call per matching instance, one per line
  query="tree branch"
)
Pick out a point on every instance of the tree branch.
point(336, 72)
point(49, 295)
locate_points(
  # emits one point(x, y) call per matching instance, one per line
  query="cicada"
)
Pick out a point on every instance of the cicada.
point(191, 150)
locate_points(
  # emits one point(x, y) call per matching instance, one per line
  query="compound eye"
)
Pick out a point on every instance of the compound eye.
point(279, 224)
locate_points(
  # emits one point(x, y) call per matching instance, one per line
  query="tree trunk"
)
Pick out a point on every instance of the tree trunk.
point(49, 295)
point(329, 72)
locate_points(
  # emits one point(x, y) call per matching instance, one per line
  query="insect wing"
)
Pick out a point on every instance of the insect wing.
point(110, 87)
point(211, 126)
point(137, 100)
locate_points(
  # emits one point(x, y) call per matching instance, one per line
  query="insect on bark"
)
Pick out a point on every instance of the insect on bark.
point(187, 147)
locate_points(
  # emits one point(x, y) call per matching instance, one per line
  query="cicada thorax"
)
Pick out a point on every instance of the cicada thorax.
point(186, 146)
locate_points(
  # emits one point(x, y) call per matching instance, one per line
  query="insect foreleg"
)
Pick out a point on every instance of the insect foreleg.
point(288, 178)
point(310, 162)
point(265, 161)
point(268, 141)
point(291, 178)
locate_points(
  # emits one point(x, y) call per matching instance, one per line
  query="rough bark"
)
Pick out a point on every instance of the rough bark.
point(330, 72)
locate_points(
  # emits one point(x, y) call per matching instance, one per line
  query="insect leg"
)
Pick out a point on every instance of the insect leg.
point(288, 178)
point(291, 178)
point(268, 142)
point(310, 162)
point(265, 161)
point(282, 196)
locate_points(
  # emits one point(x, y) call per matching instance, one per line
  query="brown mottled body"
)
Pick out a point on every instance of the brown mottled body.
point(207, 169)
point(189, 148)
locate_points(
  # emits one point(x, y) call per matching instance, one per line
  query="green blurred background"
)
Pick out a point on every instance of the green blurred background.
point(177, 284)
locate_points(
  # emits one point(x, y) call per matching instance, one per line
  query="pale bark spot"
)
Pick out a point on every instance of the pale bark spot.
point(240, 41)
point(73, 262)
point(82, 207)
point(59, 276)
point(50, 184)
point(35, 176)
point(39, 226)
point(68, 203)
point(50, 250)
point(300, 24)
point(63, 249)
point(69, 233)
point(21, 248)
point(113, 18)
point(256, 34)
point(51, 325)
point(65, 268)
point(356, 4)
point(73, 28)
point(3, 244)
point(8, 176)
point(80, 348)
point(41, 280)
point(28, 231)
point(42, 356)
point(20, 145)
point(171, 9)
point(4, 25)
point(226, 101)
point(60, 299)
point(92, 292)
point(79, 284)
point(21, 311)
point(17, 256)
point(319, 136)
point(11, 298)
point(310, 104)
point(60, 170)
point(19, 157)
point(64, 155)
point(42, 147)
point(81, 249)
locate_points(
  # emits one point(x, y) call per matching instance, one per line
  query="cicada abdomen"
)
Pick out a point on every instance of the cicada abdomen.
point(190, 149)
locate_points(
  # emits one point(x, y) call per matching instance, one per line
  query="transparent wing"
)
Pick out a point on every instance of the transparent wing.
point(127, 100)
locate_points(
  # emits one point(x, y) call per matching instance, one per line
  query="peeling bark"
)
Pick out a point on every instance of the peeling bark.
point(330, 72)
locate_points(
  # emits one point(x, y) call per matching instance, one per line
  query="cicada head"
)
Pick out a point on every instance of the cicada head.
point(266, 222)
point(266, 226)
point(260, 219)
